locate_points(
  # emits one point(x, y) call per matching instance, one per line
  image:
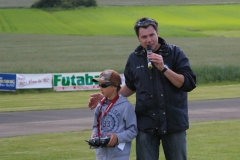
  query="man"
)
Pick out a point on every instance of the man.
point(161, 94)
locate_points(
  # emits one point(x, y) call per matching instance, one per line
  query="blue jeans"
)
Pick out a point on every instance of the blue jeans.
point(174, 146)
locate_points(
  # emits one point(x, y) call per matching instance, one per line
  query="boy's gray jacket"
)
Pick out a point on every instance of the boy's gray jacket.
point(121, 120)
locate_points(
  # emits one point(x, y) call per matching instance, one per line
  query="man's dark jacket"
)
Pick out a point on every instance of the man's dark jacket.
point(159, 104)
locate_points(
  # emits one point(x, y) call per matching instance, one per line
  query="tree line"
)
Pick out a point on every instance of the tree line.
point(63, 3)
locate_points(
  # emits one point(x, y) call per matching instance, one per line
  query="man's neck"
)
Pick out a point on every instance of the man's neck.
point(158, 47)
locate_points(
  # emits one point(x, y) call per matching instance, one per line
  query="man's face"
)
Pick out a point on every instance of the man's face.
point(148, 36)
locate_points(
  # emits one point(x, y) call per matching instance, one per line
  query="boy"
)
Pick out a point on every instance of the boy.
point(114, 117)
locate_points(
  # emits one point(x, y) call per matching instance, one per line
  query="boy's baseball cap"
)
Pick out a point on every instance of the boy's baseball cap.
point(109, 76)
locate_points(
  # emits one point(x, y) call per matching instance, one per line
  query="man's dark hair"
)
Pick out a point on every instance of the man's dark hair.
point(145, 23)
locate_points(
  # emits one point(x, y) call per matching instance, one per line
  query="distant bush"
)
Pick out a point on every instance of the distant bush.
point(215, 74)
point(63, 3)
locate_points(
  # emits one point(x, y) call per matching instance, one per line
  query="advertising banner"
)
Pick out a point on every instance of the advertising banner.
point(29, 81)
point(76, 81)
point(7, 82)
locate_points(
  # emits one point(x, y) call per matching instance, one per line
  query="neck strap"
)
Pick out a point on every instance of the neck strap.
point(105, 112)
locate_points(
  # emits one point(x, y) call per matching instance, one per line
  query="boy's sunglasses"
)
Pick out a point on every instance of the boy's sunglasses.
point(105, 85)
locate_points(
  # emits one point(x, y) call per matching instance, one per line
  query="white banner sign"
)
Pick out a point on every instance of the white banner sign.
point(27, 81)
point(76, 81)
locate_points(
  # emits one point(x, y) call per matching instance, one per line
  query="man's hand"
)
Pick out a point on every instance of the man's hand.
point(176, 79)
point(94, 99)
point(157, 60)
point(113, 141)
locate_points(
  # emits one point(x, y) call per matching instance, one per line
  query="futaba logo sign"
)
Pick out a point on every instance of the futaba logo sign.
point(76, 79)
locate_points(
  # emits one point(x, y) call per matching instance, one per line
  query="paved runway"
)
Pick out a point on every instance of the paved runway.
point(36, 122)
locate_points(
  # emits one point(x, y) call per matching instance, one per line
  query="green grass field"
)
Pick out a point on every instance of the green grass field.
point(213, 59)
point(82, 40)
point(214, 140)
point(208, 34)
point(67, 100)
point(174, 21)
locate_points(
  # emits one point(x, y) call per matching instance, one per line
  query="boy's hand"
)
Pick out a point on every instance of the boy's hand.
point(113, 141)
point(93, 136)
